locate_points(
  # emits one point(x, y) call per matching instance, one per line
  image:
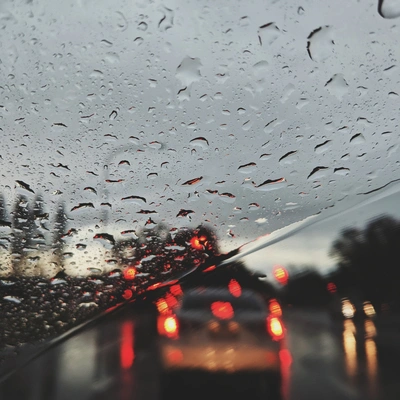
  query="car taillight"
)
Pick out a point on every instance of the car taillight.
point(275, 308)
point(167, 325)
point(222, 309)
point(275, 327)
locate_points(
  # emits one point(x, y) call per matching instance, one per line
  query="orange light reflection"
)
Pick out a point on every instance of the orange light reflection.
point(349, 343)
point(127, 354)
point(286, 362)
point(371, 357)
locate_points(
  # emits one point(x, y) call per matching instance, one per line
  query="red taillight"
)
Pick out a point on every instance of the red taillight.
point(129, 273)
point(222, 309)
point(168, 326)
point(275, 308)
point(176, 290)
point(234, 288)
point(162, 306)
point(275, 327)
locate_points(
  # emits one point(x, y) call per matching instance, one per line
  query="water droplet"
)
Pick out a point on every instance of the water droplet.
point(82, 205)
point(146, 212)
point(138, 41)
point(271, 184)
point(200, 141)
point(247, 125)
point(113, 115)
point(337, 86)
point(105, 239)
point(300, 10)
point(260, 68)
point(184, 213)
point(268, 33)
point(358, 138)
point(193, 181)
point(134, 199)
point(322, 147)
point(341, 171)
point(389, 8)
point(12, 299)
point(392, 150)
point(227, 197)
point(287, 92)
point(124, 162)
point(24, 185)
point(112, 58)
point(90, 189)
point(106, 43)
point(155, 145)
point(320, 44)
point(143, 26)
point(188, 71)
point(317, 172)
point(248, 168)
point(167, 21)
point(288, 158)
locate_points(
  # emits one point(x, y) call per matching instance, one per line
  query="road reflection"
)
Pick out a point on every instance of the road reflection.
point(355, 350)
point(349, 342)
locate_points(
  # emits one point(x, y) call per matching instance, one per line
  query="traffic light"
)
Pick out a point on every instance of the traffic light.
point(281, 274)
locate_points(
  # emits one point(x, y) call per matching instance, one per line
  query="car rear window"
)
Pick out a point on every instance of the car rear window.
point(240, 304)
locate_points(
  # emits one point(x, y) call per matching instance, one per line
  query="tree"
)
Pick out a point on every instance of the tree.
point(39, 230)
point(369, 257)
point(22, 228)
point(4, 223)
point(59, 230)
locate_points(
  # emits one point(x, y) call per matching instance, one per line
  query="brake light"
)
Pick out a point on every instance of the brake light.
point(234, 288)
point(129, 273)
point(162, 306)
point(275, 308)
point(275, 327)
point(176, 290)
point(168, 326)
point(222, 309)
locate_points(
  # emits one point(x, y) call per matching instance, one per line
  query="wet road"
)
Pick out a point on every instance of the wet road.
point(117, 359)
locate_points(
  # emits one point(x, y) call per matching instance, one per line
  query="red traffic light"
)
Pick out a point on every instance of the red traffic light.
point(281, 274)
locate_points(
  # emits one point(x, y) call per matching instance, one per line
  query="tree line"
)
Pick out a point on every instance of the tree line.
point(28, 229)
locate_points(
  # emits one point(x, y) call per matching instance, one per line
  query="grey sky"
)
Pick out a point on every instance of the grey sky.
point(75, 62)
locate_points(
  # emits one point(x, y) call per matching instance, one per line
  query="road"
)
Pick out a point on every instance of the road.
point(117, 359)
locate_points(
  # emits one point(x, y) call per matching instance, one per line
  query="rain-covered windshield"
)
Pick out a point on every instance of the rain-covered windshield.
point(142, 141)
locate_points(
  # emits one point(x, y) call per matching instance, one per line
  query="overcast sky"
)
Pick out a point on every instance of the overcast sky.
point(281, 110)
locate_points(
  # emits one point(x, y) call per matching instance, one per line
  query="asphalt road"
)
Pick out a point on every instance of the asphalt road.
point(117, 359)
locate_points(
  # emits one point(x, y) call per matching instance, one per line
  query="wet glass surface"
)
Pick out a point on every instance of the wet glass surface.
point(159, 143)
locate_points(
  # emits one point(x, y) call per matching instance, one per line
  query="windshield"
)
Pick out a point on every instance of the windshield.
point(150, 147)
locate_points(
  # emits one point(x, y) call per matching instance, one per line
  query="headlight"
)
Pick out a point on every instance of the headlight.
point(369, 309)
point(348, 308)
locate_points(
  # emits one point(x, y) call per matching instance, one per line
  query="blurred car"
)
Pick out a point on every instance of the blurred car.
point(214, 331)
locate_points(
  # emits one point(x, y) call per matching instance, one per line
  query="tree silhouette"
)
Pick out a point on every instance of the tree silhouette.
point(59, 230)
point(307, 289)
point(369, 258)
point(4, 223)
point(22, 228)
point(39, 230)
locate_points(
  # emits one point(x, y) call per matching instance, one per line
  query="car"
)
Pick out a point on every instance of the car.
point(215, 332)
